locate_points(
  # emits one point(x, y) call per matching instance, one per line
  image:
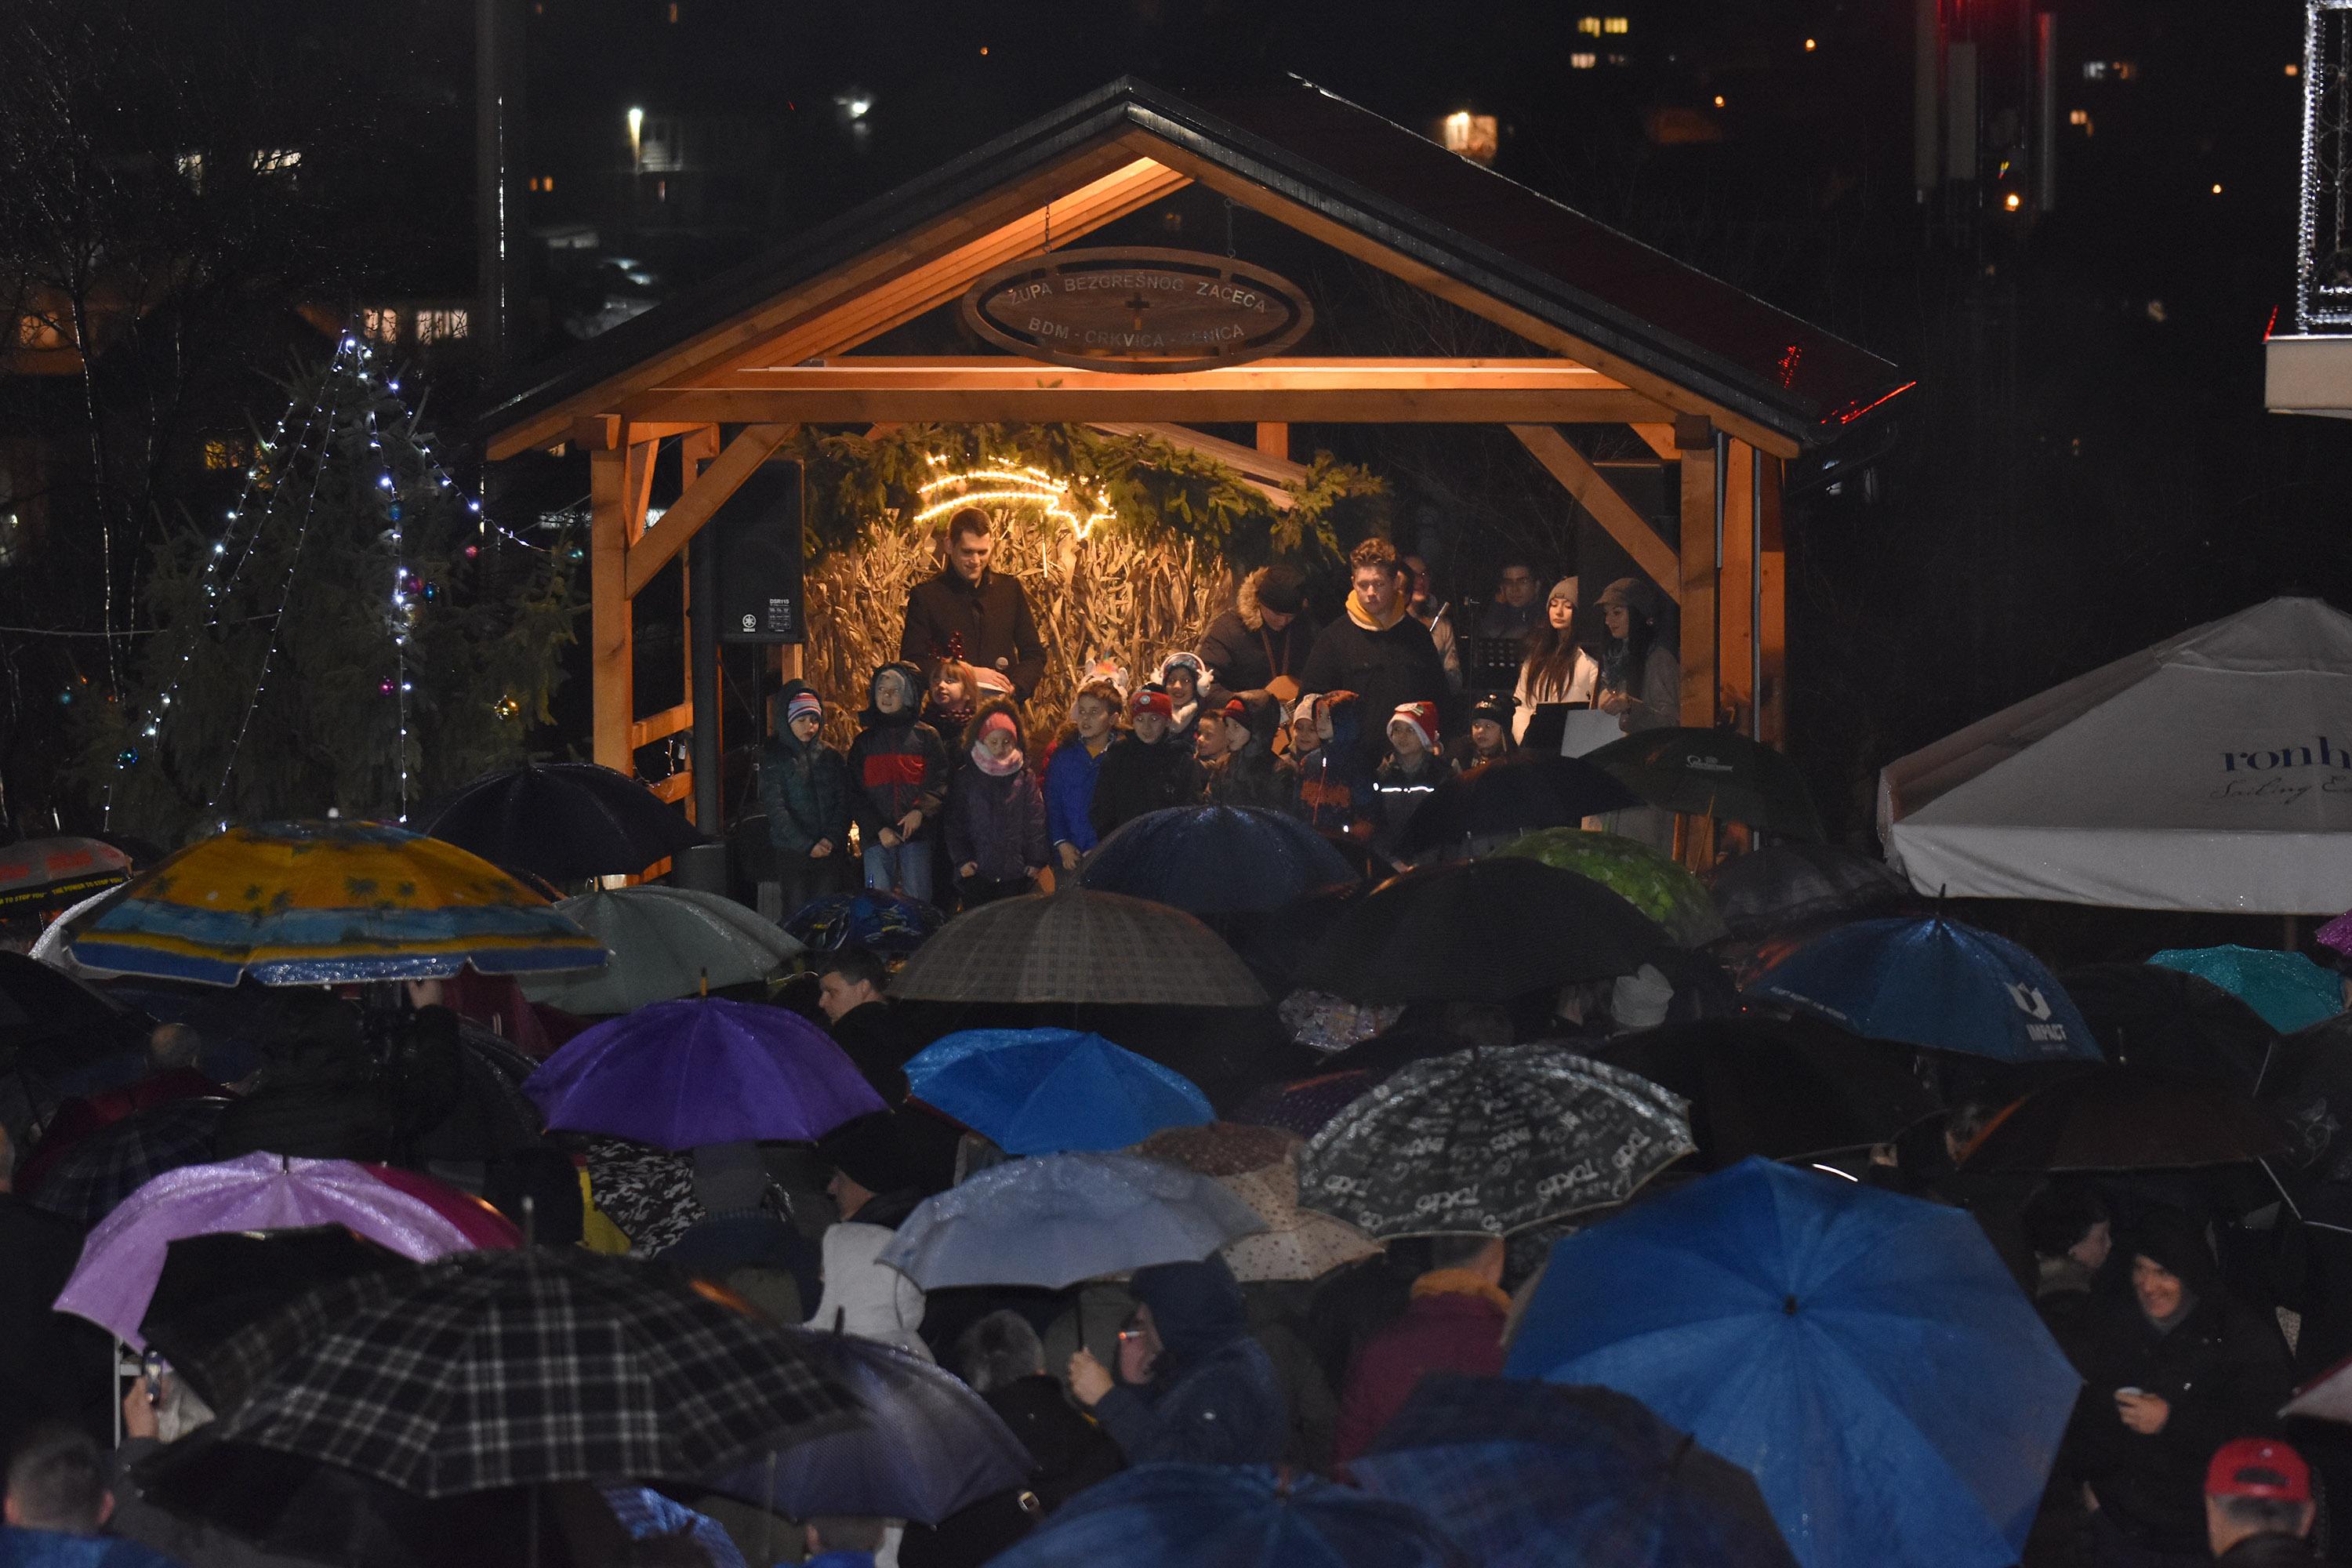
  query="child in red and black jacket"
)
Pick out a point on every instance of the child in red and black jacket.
point(899, 774)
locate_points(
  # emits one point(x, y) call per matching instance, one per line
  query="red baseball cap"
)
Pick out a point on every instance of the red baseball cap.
point(2258, 1468)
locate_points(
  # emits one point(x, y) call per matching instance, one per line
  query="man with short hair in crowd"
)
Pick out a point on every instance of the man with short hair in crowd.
point(58, 1502)
point(1513, 613)
point(849, 982)
point(1377, 650)
point(2258, 1505)
point(979, 614)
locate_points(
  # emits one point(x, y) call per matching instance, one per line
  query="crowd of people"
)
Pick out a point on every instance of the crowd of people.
point(1347, 726)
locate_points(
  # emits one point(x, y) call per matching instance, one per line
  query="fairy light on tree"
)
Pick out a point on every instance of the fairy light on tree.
point(359, 636)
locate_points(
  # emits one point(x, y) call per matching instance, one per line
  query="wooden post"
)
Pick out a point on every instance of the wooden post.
point(611, 639)
point(1695, 436)
point(1702, 518)
point(1273, 440)
point(1736, 648)
point(1772, 630)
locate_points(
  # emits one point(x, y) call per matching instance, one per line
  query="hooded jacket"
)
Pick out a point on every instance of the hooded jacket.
point(866, 1299)
point(1215, 1398)
point(1335, 783)
point(898, 763)
point(1131, 778)
point(1387, 666)
point(2222, 1369)
point(1244, 654)
point(804, 788)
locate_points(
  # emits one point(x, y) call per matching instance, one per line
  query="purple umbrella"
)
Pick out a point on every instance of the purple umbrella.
point(124, 1255)
point(680, 1075)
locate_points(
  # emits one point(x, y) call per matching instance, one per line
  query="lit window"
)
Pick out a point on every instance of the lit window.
point(1718, 100)
point(2078, 117)
point(223, 453)
point(1620, 59)
point(191, 169)
point(1590, 26)
point(277, 160)
point(2293, 68)
point(1615, 25)
point(2123, 70)
point(673, 12)
point(383, 325)
point(438, 326)
point(2012, 201)
point(40, 332)
point(2094, 70)
point(2217, 187)
point(1474, 136)
point(1810, 46)
point(1582, 62)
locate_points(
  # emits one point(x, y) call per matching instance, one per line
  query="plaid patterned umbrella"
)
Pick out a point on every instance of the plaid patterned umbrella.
point(123, 1156)
point(313, 903)
point(1072, 945)
point(491, 1370)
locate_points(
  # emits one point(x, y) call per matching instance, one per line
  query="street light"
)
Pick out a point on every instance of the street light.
point(636, 140)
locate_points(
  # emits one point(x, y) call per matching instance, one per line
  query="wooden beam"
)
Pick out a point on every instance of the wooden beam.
point(1774, 629)
point(662, 725)
point(611, 650)
point(696, 503)
point(1659, 438)
point(597, 432)
point(1202, 405)
point(1736, 647)
point(1698, 577)
point(677, 787)
point(637, 484)
point(1625, 524)
point(1244, 192)
point(1267, 475)
point(1273, 440)
point(1094, 185)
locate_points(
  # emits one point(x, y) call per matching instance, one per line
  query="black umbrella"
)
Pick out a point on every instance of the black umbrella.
point(502, 1368)
point(563, 821)
point(1785, 885)
point(119, 1158)
point(2309, 1083)
point(41, 1006)
point(1479, 930)
point(1712, 772)
point(212, 1286)
point(1510, 797)
point(2128, 1119)
point(1782, 1089)
point(2145, 1015)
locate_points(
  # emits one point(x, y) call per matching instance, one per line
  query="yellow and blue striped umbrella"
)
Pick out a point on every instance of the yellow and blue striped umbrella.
point(309, 903)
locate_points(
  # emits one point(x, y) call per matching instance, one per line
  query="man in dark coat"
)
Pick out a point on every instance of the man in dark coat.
point(979, 614)
point(1378, 651)
point(1193, 1386)
point(2173, 1371)
point(1452, 1323)
point(849, 993)
point(53, 1367)
point(1263, 639)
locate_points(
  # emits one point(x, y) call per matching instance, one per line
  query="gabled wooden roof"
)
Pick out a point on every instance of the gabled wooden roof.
point(1345, 176)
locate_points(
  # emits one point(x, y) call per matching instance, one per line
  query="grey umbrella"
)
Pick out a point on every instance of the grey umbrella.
point(1073, 945)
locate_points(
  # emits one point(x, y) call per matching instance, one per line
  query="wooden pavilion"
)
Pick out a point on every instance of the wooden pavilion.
point(1719, 385)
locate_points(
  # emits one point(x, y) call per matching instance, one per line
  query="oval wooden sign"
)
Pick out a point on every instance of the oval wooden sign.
point(1137, 309)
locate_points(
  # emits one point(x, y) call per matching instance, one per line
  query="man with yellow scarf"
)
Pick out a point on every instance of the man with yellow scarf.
point(1377, 650)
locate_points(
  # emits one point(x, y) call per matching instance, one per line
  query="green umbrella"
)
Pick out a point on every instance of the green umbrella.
point(1644, 878)
point(1712, 772)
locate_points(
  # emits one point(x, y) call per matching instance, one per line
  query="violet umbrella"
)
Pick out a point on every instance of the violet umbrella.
point(124, 1255)
point(680, 1075)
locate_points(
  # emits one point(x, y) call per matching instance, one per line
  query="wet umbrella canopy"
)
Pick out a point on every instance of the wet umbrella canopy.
point(1233, 1516)
point(2128, 1119)
point(1649, 881)
point(1486, 1141)
point(1865, 1356)
point(1714, 773)
point(1042, 1092)
point(1784, 885)
point(1504, 799)
point(563, 821)
point(1216, 859)
point(1073, 945)
point(667, 942)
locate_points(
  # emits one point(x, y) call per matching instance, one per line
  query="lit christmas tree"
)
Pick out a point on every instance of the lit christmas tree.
point(353, 633)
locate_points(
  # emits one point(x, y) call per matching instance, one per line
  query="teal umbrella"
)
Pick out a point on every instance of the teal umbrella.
point(2287, 989)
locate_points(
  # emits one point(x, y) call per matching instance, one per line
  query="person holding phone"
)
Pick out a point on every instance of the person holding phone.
point(2170, 1372)
point(1193, 1385)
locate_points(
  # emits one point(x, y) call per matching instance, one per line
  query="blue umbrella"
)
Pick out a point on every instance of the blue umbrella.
point(883, 922)
point(680, 1075)
point(1528, 1475)
point(1216, 859)
point(1866, 1356)
point(1056, 1219)
point(923, 1447)
point(1043, 1091)
point(1231, 1516)
point(1934, 982)
point(2287, 989)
